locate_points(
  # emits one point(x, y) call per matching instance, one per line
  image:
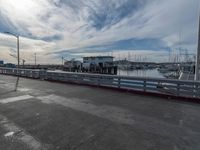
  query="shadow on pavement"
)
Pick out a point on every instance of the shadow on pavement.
point(16, 84)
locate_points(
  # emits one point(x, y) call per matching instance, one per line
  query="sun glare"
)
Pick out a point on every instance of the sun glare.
point(19, 5)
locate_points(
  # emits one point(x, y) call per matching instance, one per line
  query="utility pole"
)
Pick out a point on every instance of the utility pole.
point(18, 53)
point(35, 59)
point(62, 60)
point(23, 62)
point(169, 55)
point(18, 59)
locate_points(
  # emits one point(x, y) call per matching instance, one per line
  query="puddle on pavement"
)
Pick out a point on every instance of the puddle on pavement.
point(9, 134)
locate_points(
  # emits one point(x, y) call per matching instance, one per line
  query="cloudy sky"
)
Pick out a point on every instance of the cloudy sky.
point(135, 29)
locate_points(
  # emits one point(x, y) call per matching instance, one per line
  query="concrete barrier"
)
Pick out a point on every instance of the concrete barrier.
point(178, 88)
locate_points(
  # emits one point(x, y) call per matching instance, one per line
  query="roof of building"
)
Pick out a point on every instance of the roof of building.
point(98, 57)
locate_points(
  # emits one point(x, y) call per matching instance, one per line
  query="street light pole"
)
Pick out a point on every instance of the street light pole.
point(17, 53)
point(62, 60)
point(35, 59)
point(18, 58)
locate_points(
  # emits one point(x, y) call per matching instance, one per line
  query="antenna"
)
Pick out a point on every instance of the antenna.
point(23, 62)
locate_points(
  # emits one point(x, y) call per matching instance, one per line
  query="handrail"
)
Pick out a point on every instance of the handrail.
point(146, 84)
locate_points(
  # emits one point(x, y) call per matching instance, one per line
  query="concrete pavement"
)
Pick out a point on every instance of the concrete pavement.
point(45, 115)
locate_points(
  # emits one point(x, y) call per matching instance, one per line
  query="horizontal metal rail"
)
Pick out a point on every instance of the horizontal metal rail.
point(190, 89)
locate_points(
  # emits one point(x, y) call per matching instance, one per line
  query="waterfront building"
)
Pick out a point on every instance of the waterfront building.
point(72, 65)
point(99, 64)
point(98, 61)
point(1, 62)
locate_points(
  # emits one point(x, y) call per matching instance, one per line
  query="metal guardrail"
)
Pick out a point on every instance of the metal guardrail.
point(190, 89)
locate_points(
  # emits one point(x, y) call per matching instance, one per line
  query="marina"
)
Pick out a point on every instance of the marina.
point(99, 75)
point(151, 85)
point(92, 118)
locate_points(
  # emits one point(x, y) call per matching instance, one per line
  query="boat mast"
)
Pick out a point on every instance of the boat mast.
point(197, 68)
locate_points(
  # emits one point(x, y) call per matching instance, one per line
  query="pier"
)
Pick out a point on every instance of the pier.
point(170, 88)
point(99, 75)
point(43, 115)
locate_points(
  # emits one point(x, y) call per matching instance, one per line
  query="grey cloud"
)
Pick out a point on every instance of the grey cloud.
point(83, 24)
point(112, 12)
point(56, 37)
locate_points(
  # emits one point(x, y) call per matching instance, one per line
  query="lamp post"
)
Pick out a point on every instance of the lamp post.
point(62, 60)
point(17, 36)
point(35, 59)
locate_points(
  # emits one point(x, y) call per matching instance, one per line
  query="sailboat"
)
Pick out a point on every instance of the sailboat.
point(192, 72)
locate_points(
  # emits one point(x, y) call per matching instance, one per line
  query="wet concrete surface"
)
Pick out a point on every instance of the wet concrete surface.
point(54, 116)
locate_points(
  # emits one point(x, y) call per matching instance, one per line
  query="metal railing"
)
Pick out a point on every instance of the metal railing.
point(190, 89)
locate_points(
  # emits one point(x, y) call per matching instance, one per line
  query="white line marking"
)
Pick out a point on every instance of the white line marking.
point(14, 99)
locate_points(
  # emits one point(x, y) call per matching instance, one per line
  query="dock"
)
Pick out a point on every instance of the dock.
point(54, 116)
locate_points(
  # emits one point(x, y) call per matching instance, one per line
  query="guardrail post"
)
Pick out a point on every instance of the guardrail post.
point(178, 89)
point(195, 90)
point(145, 84)
point(119, 82)
point(98, 80)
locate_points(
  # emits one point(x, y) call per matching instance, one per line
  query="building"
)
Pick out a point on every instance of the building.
point(99, 64)
point(1, 62)
point(72, 65)
point(10, 65)
point(97, 61)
